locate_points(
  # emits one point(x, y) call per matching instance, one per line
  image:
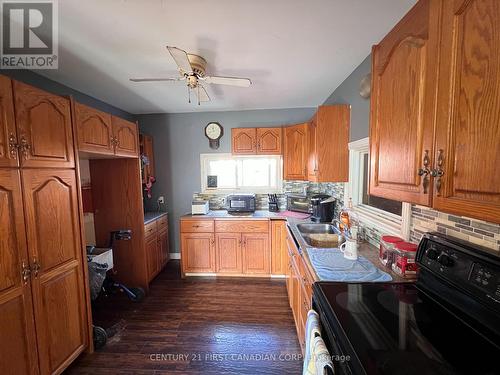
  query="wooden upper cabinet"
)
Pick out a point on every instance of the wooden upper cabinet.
point(8, 134)
point(244, 141)
point(55, 250)
point(328, 159)
point(295, 152)
point(269, 141)
point(467, 145)
point(94, 130)
point(404, 75)
point(126, 137)
point(44, 128)
point(256, 254)
point(17, 341)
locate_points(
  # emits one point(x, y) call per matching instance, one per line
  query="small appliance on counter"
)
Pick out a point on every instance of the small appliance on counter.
point(273, 203)
point(298, 203)
point(323, 208)
point(240, 203)
point(199, 207)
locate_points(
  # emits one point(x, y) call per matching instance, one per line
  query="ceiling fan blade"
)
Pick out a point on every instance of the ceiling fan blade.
point(202, 94)
point(156, 79)
point(230, 81)
point(181, 59)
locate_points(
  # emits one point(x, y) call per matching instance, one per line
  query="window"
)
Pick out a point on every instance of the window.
point(225, 173)
point(390, 216)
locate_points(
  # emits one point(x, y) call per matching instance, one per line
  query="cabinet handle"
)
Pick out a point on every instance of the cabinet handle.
point(36, 267)
point(439, 171)
point(425, 172)
point(117, 142)
point(25, 272)
point(13, 146)
point(24, 147)
point(258, 145)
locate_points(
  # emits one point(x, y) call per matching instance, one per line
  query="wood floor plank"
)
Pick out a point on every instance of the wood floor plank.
point(197, 326)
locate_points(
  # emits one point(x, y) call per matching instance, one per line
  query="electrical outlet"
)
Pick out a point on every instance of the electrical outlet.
point(161, 199)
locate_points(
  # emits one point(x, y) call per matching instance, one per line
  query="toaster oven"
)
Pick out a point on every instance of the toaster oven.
point(240, 203)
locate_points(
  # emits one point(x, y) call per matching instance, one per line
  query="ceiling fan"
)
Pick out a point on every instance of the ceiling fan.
point(192, 70)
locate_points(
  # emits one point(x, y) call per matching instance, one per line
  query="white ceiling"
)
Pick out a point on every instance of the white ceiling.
point(296, 52)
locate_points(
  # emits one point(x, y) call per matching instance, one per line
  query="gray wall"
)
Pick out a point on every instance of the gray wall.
point(178, 141)
point(348, 93)
point(31, 78)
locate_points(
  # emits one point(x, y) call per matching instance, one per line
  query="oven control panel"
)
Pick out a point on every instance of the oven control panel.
point(463, 264)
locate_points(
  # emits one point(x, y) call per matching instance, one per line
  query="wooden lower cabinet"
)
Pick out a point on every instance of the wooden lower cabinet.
point(299, 288)
point(156, 245)
point(256, 253)
point(278, 247)
point(228, 253)
point(198, 252)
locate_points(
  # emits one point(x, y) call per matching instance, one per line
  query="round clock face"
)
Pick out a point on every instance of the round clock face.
point(213, 130)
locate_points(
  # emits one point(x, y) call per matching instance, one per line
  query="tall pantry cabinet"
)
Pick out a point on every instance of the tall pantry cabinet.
point(43, 300)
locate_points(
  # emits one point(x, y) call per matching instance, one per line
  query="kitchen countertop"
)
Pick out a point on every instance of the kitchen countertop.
point(152, 216)
point(223, 214)
point(366, 250)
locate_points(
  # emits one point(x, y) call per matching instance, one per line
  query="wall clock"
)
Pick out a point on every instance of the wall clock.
point(214, 132)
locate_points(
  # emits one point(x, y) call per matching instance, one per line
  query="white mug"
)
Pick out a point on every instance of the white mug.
point(350, 249)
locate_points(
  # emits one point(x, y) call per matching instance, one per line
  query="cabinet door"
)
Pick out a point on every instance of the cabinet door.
point(312, 160)
point(198, 252)
point(269, 141)
point(404, 68)
point(228, 253)
point(8, 135)
point(18, 353)
point(243, 141)
point(278, 247)
point(152, 255)
point(163, 241)
point(331, 143)
point(94, 130)
point(126, 137)
point(44, 130)
point(467, 148)
point(296, 152)
point(53, 233)
point(256, 259)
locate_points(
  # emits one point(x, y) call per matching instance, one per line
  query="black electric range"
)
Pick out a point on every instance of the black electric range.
point(448, 322)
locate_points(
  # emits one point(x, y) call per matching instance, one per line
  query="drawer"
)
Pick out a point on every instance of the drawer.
point(162, 223)
point(197, 226)
point(242, 226)
point(150, 229)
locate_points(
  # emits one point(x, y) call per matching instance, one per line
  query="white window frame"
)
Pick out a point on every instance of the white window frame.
point(385, 221)
point(205, 158)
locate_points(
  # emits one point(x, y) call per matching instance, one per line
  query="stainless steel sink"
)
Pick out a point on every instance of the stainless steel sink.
point(306, 230)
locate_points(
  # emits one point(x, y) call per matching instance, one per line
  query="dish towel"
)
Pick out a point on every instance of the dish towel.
point(330, 265)
point(312, 330)
point(320, 358)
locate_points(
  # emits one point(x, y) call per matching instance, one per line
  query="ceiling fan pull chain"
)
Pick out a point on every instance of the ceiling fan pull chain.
point(198, 94)
point(189, 95)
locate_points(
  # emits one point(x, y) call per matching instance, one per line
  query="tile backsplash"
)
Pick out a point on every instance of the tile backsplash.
point(423, 219)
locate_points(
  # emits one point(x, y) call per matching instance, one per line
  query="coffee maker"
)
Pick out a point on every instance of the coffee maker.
point(323, 208)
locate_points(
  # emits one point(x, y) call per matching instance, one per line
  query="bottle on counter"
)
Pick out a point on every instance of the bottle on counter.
point(349, 221)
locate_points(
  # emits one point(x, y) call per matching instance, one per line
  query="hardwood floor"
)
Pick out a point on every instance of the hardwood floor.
point(197, 326)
